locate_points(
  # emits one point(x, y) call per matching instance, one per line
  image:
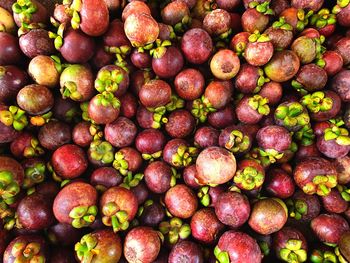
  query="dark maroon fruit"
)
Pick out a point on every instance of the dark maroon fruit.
point(329, 227)
point(237, 247)
point(64, 234)
point(12, 79)
point(206, 136)
point(10, 53)
point(186, 251)
point(232, 209)
point(34, 212)
point(334, 202)
point(170, 63)
point(155, 93)
point(180, 124)
point(153, 213)
point(340, 84)
point(196, 45)
point(279, 183)
point(54, 134)
point(159, 177)
point(36, 42)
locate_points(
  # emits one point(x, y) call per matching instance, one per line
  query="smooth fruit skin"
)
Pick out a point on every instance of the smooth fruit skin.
point(142, 244)
point(240, 246)
point(73, 195)
point(215, 166)
point(181, 201)
point(94, 17)
point(186, 251)
point(69, 161)
point(329, 227)
point(283, 66)
point(205, 226)
point(268, 216)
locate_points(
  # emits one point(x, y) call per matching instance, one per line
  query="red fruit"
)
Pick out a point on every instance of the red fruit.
point(232, 209)
point(268, 215)
point(142, 244)
point(94, 17)
point(238, 247)
point(155, 93)
point(279, 183)
point(197, 45)
point(329, 227)
point(69, 161)
point(181, 201)
point(205, 226)
point(76, 204)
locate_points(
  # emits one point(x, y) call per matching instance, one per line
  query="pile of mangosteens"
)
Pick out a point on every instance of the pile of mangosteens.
point(183, 131)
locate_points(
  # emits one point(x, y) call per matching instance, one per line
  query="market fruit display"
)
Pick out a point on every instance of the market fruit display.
point(177, 131)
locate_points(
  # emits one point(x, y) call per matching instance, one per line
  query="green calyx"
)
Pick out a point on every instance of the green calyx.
point(75, 8)
point(341, 259)
point(263, 8)
point(209, 5)
point(305, 135)
point(183, 25)
point(158, 115)
point(107, 99)
point(317, 102)
point(260, 104)
point(141, 209)
point(237, 142)
point(175, 230)
point(323, 18)
point(152, 157)
point(203, 195)
point(261, 81)
point(292, 114)
point(34, 175)
point(340, 135)
point(27, 252)
point(282, 24)
point(86, 248)
point(33, 149)
point(7, 216)
point(175, 103)
point(14, 117)
point(101, 151)
point(340, 5)
point(120, 163)
point(344, 192)
point(255, 154)
point(303, 19)
point(70, 90)
point(184, 156)
point(113, 216)
point(58, 37)
point(258, 37)
point(160, 48)
point(318, 256)
point(83, 216)
point(108, 80)
point(25, 28)
point(84, 106)
point(96, 132)
point(221, 256)
point(120, 52)
point(293, 252)
point(24, 9)
point(299, 87)
point(271, 154)
point(132, 180)
point(9, 188)
point(201, 108)
point(297, 208)
point(321, 185)
point(249, 178)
